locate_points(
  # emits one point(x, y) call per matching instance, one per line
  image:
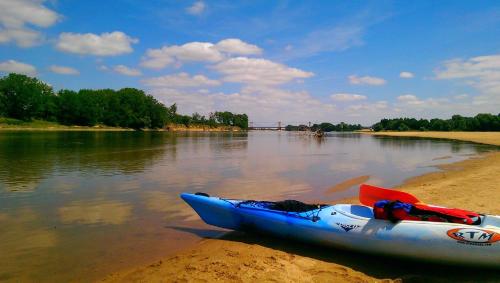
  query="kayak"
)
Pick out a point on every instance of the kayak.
point(354, 227)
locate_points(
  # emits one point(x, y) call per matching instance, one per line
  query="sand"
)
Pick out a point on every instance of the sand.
point(478, 137)
point(238, 257)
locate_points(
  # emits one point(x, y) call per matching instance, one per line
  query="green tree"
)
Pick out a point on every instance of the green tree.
point(26, 98)
point(3, 105)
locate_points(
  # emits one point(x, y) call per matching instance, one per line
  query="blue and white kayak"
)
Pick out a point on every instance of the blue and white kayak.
point(354, 227)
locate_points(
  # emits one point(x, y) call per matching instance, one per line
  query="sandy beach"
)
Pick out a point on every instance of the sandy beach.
point(238, 257)
point(477, 137)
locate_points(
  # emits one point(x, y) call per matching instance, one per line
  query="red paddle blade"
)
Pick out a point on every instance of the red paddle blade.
point(368, 195)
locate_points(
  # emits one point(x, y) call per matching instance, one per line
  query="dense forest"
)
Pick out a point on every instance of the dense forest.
point(325, 127)
point(480, 122)
point(27, 98)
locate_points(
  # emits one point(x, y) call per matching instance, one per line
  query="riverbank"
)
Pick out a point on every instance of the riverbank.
point(470, 184)
point(200, 128)
point(492, 138)
point(8, 124)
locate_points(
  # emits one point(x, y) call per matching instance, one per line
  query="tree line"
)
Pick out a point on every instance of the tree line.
point(326, 127)
point(480, 122)
point(27, 98)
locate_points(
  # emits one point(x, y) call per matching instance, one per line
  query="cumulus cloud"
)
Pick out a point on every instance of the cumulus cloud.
point(105, 44)
point(346, 97)
point(12, 66)
point(197, 8)
point(270, 104)
point(197, 51)
point(124, 70)
point(181, 80)
point(481, 73)
point(64, 70)
point(263, 104)
point(168, 55)
point(366, 80)
point(237, 46)
point(406, 75)
point(258, 71)
point(18, 17)
point(409, 99)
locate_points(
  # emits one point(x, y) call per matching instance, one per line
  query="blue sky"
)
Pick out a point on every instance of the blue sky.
point(297, 61)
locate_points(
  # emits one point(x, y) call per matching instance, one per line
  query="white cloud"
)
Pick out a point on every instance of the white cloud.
point(22, 37)
point(105, 44)
point(346, 97)
point(366, 80)
point(461, 96)
point(258, 71)
point(124, 70)
point(407, 97)
point(413, 103)
point(236, 46)
point(481, 73)
point(197, 8)
point(353, 110)
point(197, 51)
point(168, 55)
point(16, 17)
point(406, 75)
point(181, 80)
point(264, 104)
point(270, 104)
point(474, 67)
point(12, 66)
point(64, 70)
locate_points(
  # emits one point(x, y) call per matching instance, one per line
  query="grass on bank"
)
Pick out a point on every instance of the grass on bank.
point(42, 125)
point(15, 124)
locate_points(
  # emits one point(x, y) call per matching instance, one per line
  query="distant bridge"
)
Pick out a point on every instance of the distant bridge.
point(272, 126)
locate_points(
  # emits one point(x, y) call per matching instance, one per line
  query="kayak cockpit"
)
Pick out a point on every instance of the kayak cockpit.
point(354, 210)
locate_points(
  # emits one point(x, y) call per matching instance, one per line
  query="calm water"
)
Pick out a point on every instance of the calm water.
point(79, 205)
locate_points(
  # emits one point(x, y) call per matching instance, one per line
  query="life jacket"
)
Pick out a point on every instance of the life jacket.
point(397, 210)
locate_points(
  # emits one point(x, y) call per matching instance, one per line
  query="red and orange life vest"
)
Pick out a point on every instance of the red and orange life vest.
point(396, 210)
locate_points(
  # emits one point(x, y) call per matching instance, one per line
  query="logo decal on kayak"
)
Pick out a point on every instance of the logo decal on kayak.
point(472, 236)
point(347, 227)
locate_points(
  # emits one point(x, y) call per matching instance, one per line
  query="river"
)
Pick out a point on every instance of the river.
point(75, 206)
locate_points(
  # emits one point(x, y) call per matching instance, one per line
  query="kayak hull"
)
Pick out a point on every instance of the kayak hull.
point(353, 227)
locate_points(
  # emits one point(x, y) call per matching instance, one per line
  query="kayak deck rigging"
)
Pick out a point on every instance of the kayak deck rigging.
point(292, 208)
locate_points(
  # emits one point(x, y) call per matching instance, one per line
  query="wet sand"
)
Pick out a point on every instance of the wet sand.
point(239, 257)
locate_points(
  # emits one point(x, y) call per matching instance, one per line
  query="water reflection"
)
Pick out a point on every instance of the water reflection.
point(27, 158)
point(169, 205)
point(25, 238)
point(98, 211)
point(93, 199)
